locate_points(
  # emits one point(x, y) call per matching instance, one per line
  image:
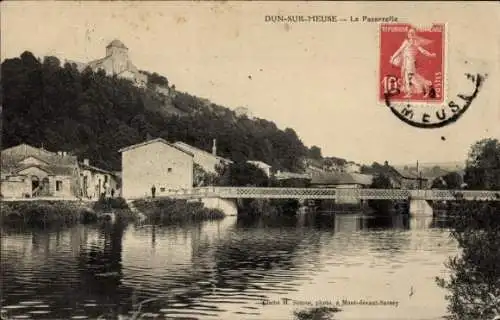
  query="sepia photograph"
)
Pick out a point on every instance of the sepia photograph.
point(281, 160)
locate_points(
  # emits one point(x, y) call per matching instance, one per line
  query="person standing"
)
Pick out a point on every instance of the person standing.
point(153, 191)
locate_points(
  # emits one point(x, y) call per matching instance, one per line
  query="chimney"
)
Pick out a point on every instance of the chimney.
point(214, 147)
point(86, 162)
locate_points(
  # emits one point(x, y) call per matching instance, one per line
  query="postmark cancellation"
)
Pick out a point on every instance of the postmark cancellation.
point(413, 76)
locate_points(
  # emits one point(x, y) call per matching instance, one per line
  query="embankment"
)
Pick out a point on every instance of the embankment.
point(62, 212)
point(164, 210)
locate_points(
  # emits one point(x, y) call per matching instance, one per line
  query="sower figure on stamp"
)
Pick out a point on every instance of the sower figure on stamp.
point(405, 56)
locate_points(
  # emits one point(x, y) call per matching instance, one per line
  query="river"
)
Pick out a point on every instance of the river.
point(229, 269)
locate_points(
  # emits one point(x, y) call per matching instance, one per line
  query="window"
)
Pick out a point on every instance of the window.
point(58, 185)
point(169, 169)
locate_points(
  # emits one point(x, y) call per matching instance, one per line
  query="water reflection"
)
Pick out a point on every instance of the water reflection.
point(398, 222)
point(224, 269)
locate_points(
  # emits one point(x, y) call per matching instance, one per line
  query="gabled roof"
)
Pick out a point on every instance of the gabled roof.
point(340, 178)
point(50, 169)
point(43, 162)
point(185, 146)
point(407, 174)
point(92, 168)
point(257, 162)
point(24, 167)
point(157, 140)
point(54, 163)
point(284, 175)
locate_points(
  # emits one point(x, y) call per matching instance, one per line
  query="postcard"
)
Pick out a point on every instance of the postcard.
point(250, 160)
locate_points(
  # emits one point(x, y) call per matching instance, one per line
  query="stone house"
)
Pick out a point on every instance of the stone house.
point(155, 163)
point(27, 171)
point(95, 181)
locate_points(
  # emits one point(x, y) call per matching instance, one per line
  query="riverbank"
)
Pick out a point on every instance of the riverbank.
point(162, 210)
point(44, 212)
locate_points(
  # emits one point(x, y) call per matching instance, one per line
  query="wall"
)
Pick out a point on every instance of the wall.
point(14, 189)
point(95, 183)
point(205, 159)
point(148, 165)
point(65, 190)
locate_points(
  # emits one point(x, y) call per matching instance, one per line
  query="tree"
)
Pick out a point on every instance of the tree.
point(382, 207)
point(95, 115)
point(483, 165)
point(243, 174)
point(381, 181)
point(201, 178)
point(451, 181)
point(315, 153)
point(474, 286)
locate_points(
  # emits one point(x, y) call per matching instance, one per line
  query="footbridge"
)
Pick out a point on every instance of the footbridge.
point(224, 198)
point(332, 194)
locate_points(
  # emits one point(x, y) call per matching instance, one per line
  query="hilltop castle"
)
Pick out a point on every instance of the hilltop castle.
point(116, 62)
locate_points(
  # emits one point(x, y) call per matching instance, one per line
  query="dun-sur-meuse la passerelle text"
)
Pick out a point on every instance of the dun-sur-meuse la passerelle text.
point(326, 18)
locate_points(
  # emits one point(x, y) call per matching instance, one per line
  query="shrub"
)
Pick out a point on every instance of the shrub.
point(174, 210)
point(42, 213)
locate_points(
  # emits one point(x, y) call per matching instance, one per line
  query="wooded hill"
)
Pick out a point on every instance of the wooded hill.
point(93, 116)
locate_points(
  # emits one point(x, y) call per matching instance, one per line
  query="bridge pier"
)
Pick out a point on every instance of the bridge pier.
point(420, 207)
point(228, 206)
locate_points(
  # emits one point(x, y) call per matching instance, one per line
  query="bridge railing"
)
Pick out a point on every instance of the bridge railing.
point(330, 193)
point(276, 193)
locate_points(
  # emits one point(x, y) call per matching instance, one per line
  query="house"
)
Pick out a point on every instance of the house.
point(341, 180)
point(285, 175)
point(400, 178)
point(261, 165)
point(292, 180)
point(95, 181)
point(28, 171)
point(352, 167)
point(116, 62)
point(206, 160)
point(155, 163)
point(313, 166)
point(344, 182)
point(412, 180)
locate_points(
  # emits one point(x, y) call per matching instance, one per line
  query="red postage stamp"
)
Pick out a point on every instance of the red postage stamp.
point(412, 63)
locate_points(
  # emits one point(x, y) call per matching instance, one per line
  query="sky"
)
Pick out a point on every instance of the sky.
point(321, 79)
